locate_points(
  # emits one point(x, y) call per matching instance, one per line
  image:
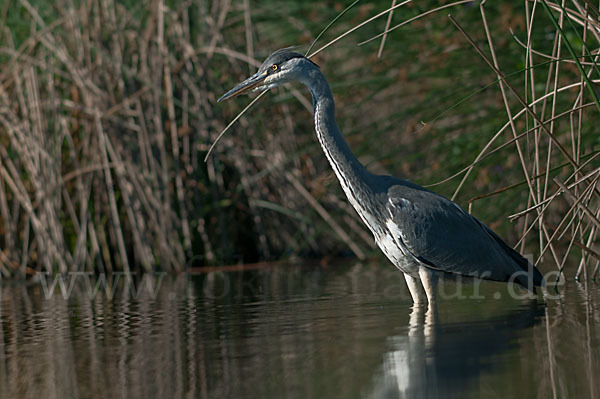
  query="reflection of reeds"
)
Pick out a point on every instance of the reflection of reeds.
point(106, 113)
point(289, 332)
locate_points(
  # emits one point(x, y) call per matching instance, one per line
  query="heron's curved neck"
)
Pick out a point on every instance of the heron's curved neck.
point(336, 149)
point(353, 176)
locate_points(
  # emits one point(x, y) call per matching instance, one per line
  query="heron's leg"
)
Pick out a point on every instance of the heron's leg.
point(415, 290)
point(429, 280)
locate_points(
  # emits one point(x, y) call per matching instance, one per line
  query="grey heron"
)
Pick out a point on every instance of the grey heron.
point(422, 233)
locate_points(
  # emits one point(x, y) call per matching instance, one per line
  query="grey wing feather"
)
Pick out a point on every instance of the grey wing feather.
point(444, 237)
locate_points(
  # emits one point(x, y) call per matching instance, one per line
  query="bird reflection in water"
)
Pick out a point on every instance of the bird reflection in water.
point(434, 359)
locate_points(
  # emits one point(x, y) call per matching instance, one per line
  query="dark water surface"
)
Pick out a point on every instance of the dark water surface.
point(286, 331)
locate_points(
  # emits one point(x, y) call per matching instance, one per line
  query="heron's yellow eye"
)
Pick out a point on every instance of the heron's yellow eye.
point(274, 67)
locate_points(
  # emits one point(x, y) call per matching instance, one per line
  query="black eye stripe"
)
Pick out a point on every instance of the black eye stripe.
point(279, 58)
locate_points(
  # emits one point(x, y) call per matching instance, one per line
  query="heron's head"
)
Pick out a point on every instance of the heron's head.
point(280, 67)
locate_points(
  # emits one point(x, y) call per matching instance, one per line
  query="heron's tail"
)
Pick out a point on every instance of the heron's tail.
point(533, 277)
point(532, 272)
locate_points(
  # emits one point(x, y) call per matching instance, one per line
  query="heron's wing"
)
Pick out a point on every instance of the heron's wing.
point(443, 236)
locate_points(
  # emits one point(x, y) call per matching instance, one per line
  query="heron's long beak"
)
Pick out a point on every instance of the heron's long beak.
point(247, 85)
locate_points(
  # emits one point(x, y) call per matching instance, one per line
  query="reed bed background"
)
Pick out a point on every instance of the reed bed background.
point(107, 110)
